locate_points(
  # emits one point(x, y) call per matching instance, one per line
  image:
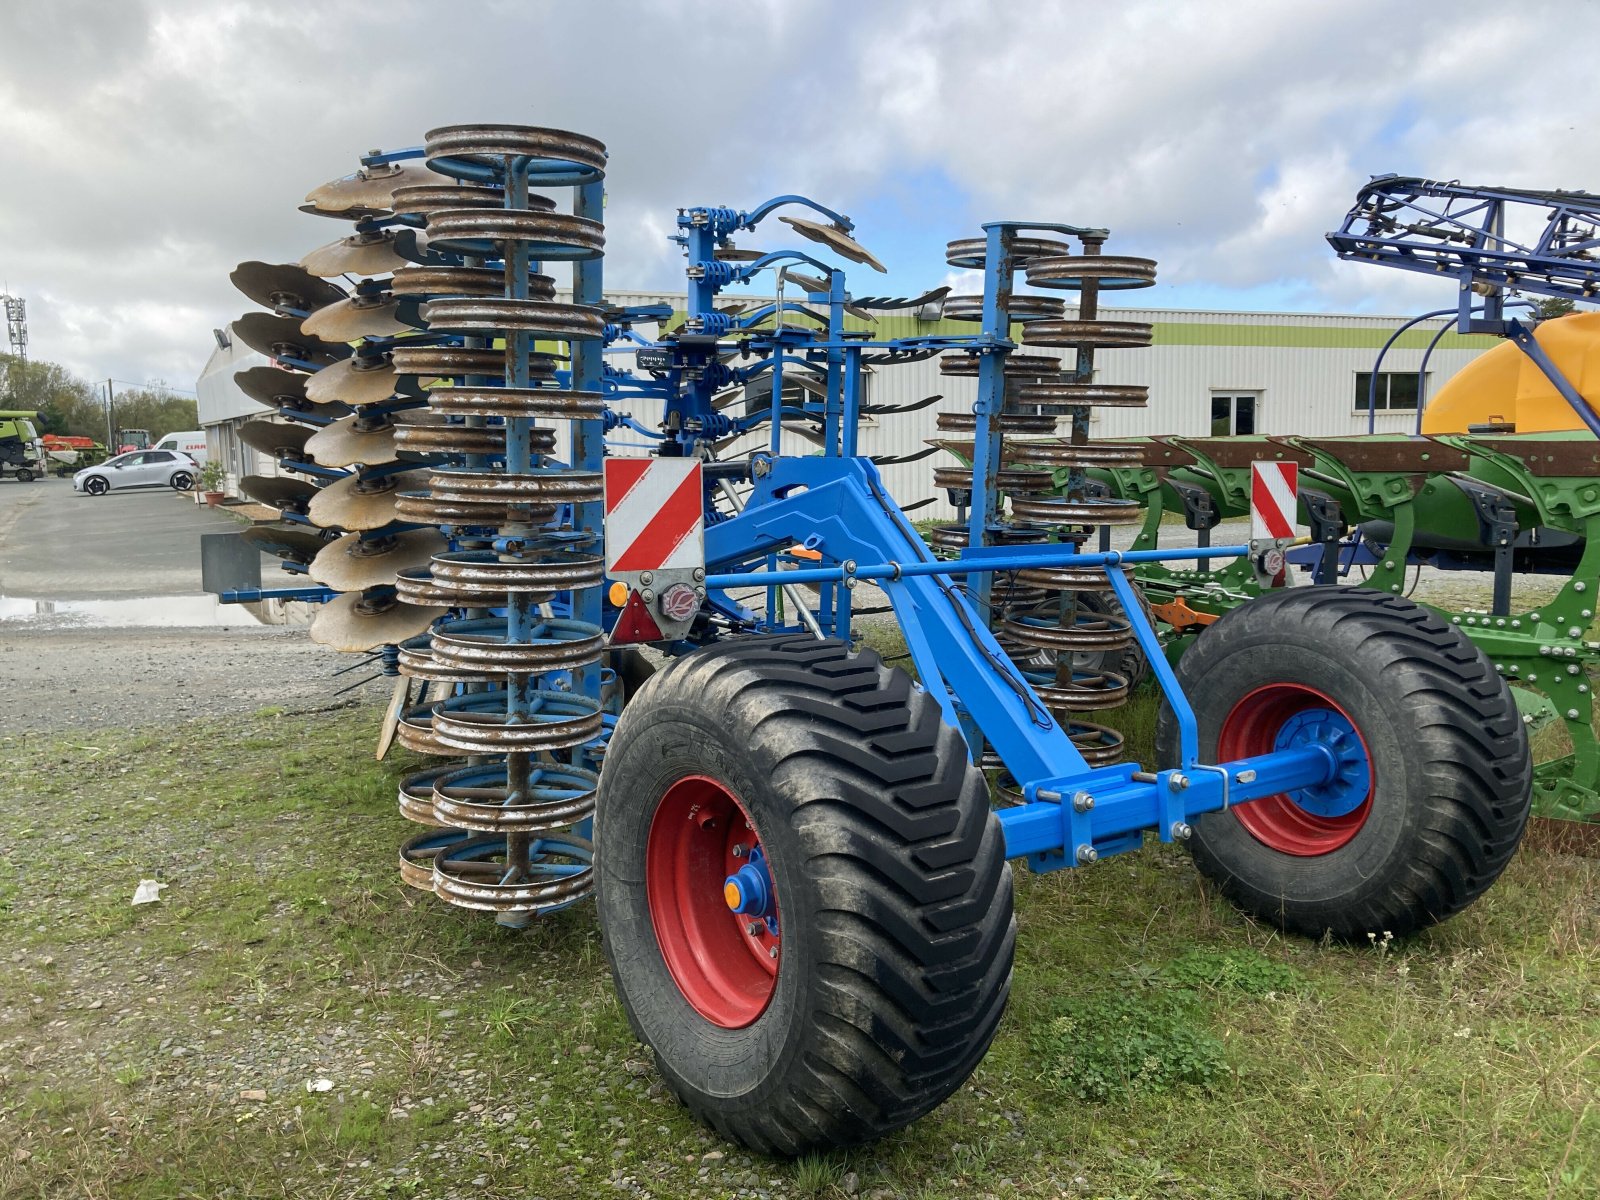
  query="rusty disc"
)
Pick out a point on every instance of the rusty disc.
point(356, 622)
point(541, 318)
point(1087, 395)
point(474, 874)
point(448, 362)
point(281, 337)
point(478, 797)
point(560, 156)
point(477, 723)
point(292, 543)
point(1105, 335)
point(1021, 308)
point(416, 804)
point(365, 253)
point(281, 286)
point(351, 564)
point(1088, 691)
point(1062, 579)
point(546, 403)
point(483, 643)
point(1099, 744)
point(347, 442)
point(1015, 365)
point(835, 239)
point(425, 199)
point(972, 252)
point(365, 379)
point(475, 573)
point(1041, 629)
point(417, 853)
point(360, 316)
point(1109, 273)
point(279, 439)
point(464, 281)
point(369, 189)
point(415, 733)
point(360, 502)
point(1061, 510)
point(541, 488)
point(278, 491)
point(548, 235)
point(1058, 452)
point(1006, 422)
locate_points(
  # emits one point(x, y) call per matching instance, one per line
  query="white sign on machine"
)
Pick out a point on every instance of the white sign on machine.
point(655, 544)
point(1274, 507)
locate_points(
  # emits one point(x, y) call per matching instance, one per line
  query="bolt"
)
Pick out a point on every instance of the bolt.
point(1501, 622)
point(1572, 668)
point(699, 574)
point(1082, 801)
point(1572, 714)
point(753, 929)
point(1245, 777)
point(1178, 781)
point(1579, 586)
point(1181, 831)
point(772, 952)
point(647, 596)
point(1532, 678)
point(1086, 854)
point(1574, 632)
point(738, 850)
point(1533, 616)
point(647, 577)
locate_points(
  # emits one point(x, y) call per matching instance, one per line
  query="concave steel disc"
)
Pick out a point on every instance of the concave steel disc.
point(281, 286)
point(278, 491)
point(293, 543)
point(369, 188)
point(281, 337)
point(355, 622)
point(837, 239)
point(360, 502)
point(367, 253)
point(275, 437)
point(343, 444)
point(362, 316)
point(365, 379)
point(349, 564)
point(283, 390)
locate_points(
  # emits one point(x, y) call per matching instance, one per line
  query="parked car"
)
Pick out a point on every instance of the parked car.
point(141, 468)
point(191, 442)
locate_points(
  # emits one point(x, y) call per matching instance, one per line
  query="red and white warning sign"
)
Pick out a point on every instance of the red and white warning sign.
point(1274, 492)
point(655, 519)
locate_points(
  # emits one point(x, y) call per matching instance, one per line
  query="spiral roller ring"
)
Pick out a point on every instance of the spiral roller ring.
point(520, 725)
point(1039, 615)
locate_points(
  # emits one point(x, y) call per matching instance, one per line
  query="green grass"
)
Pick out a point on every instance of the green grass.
point(1157, 1045)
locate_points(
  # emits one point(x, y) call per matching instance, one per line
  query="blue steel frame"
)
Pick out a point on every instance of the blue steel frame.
point(836, 504)
point(1454, 229)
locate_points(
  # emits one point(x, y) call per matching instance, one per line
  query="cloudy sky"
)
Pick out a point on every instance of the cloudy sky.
point(146, 148)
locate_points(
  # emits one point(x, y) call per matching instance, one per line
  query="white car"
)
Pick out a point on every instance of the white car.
point(138, 468)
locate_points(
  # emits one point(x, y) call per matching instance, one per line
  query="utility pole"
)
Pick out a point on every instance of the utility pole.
point(111, 409)
point(16, 324)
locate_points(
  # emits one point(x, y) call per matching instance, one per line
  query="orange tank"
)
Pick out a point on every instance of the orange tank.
point(1504, 386)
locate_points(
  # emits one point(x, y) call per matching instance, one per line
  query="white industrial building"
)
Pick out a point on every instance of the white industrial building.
point(1207, 373)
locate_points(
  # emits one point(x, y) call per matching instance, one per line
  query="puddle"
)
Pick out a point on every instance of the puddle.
point(146, 612)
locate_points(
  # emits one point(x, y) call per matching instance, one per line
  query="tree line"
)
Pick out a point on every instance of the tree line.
point(67, 404)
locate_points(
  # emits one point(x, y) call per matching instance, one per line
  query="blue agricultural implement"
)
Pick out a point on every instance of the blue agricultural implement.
point(802, 882)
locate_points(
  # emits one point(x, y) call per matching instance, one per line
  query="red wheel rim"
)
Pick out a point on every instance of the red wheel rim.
point(1278, 822)
point(725, 971)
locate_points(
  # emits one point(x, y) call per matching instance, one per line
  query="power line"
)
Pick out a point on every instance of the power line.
point(155, 387)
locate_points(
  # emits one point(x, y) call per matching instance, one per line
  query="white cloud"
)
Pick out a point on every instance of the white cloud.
point(151, 146)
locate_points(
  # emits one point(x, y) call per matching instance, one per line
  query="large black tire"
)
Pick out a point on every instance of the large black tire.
point(894, 897)
point(1450, 769)
point(24, 475)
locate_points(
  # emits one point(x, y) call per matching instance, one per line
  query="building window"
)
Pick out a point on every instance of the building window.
point(1396, 390)
point(1235, 413)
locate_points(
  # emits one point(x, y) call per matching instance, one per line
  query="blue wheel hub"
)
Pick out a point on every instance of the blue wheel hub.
point(748, 891)
point(1352, 779)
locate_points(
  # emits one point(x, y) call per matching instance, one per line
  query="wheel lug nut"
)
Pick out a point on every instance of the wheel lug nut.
point(753, 929)
point(738, 850)
point(772, 952)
